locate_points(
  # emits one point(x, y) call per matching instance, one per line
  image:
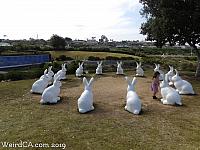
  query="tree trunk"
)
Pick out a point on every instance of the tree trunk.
point(198, 63)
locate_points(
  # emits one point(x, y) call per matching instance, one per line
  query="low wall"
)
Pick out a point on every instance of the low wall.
point(22, 60)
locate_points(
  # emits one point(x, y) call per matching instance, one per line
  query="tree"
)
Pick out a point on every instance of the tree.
point(173, 21)
point(67, 39)
point(57, 42)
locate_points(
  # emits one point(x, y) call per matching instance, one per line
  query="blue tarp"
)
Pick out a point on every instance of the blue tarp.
point(23, 60)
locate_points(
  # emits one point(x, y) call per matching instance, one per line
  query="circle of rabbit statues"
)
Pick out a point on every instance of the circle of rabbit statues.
point(170, 96)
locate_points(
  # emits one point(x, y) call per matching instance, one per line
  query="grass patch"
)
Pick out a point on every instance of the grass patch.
point(85, 54)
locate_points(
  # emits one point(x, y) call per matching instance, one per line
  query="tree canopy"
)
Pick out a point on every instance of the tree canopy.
point(173, 21)
point(57, 42)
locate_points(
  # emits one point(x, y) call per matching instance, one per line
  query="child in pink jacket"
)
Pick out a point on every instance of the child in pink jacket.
point(155, 84)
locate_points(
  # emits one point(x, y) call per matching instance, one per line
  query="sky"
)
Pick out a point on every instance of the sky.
point(77, 19)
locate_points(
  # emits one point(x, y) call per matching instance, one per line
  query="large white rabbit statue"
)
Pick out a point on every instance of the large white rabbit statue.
point(51, 94)
point(50, 74)
point(85, 102)
point(119, 68)
point(169, 75)
point(133, 103)
point(39, 85)
point(157, 68)
point(61, 74)
point(169, 95)
point(139, 70)
point(99, 67)
point(182, 86)
point(79, 70)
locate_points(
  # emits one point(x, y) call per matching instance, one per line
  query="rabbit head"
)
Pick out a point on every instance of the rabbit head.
point(57, 82)
point(131, 84)
point(88, 85)
point(119, 64)
point(164, 83)
point(45, 73)
point(176, 77)
point(63, 67)
point(157, 66)
point(99, 63)
point(50, 72)
point(80, 65)
point(171, 71)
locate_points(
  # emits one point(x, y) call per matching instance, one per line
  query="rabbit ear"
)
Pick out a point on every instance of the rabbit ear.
point(134, 81)
point(137, 63)
point(85, 82)
point(101, 62)
point(120, 62)
point(49, 69)
point(128, 80)
point(158, 65)
point(155, 65)
point(82, 63)
point(140, 64)
point(45, 72)
point(177, 72)
point(98, 62)
point(91, 81)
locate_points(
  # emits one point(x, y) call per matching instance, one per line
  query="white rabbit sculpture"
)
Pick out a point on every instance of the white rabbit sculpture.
point(182, 86)
point(79, 70)
point(169, 75)
point(85, 102)
point(169, 95)
point(61, 74)
point(39, 85)
point(157, 68)
point(119, 68)
point(139, 70)
point(133, 103)
point(50, 74)
point(51, 94)
point(99, 67)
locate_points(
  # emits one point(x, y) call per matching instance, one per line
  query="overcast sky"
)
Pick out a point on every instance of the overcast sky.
point(77, 19)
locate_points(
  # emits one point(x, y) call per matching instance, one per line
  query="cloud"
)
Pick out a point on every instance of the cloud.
point(73, 18)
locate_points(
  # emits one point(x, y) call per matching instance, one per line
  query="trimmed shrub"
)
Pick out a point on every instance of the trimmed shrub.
point(112, 58)
point(93, 58)
point(63, 58)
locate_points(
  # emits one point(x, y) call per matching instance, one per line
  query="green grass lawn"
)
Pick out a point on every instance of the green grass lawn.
point(86, 54)
point(159, 127)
